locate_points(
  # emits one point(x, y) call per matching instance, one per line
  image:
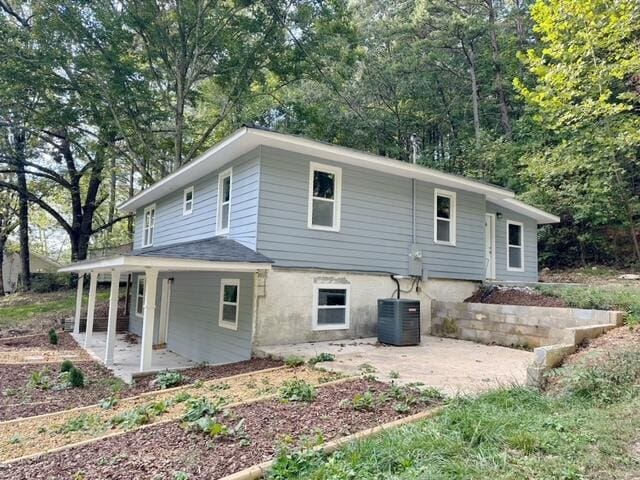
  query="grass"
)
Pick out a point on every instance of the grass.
point(585, 428)
point(21, 308)
point(602, 298)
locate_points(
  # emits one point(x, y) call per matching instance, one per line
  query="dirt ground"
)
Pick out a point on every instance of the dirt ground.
point(161, 451)
point(514, 296)
point(617, 339)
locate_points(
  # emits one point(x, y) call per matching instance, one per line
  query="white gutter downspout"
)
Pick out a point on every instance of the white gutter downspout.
point(414, 158)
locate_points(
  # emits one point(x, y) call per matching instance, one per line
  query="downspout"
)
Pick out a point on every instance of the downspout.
point(414, 159)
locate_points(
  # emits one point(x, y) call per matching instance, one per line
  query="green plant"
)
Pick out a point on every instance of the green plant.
point(76, 377)
point(297, 390)
point(66, 365)
point(363, 401)
point(53, 337)
point(181, 397)
point(180, 476)
point(109, 402)
point(140, 415)
point(40, 379)
point(82, 422)
point(401, 407)
point(197, 408)
point(168, 379)
point(394, 374)
point(294, 361)
point(295, 463)
point(322, 357)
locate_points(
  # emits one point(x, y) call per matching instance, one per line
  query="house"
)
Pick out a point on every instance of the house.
point(12, 268)
point(270, 238)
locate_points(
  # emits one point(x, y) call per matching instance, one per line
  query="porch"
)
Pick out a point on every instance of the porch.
point(187, 322)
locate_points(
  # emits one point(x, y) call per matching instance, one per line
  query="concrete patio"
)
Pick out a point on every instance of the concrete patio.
point(126, 364)
point(452, 366)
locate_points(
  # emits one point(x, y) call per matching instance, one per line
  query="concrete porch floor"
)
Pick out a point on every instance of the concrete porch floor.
point(126, 356)
point(452, 366)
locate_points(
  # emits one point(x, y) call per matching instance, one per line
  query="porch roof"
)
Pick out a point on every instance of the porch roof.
point(211, 254)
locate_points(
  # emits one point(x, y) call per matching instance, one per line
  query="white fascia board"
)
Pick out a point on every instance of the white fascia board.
point(140, 263)
point(527, 210)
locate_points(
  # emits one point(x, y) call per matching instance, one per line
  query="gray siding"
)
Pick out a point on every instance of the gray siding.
point(530, 235)
point(174, 227)
point(194, 331)
point(375, 226)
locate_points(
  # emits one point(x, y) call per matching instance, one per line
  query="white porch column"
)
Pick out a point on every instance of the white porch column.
point(148, 317)
point(113, 317)
point(91, 307)
point(76, 322)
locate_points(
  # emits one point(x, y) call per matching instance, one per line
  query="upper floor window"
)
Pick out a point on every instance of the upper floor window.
point(148, 225)
point(515, 246)
point(325, 185)
point(229, 291)
point(444, 217)
point(187, 201)
point(224, 201)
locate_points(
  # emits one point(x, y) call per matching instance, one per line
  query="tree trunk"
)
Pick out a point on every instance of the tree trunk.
point(626, 201)
point(471, 56)
point(497, 67)
point(23, 207)
point(130, 219)
point(112, 194)
point(3, 242)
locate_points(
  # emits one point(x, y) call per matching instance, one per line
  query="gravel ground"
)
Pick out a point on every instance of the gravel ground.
point(163, 450)
point(515, 296)
point(17, 399)
point(39, 341)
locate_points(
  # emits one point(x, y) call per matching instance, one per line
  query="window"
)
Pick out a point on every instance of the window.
point(325, 185)
point(187, 203)
point(331, 307)
point(515, 247)
point(148, 225)
point(140, 296)
point(224, 201)
point(229, 291)
point(444, 207)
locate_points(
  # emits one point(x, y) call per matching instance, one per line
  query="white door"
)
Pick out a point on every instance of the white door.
point(490, 245)
point(165, 305)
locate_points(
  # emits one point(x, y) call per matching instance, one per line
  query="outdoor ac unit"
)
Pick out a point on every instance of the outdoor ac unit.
point(399, 321)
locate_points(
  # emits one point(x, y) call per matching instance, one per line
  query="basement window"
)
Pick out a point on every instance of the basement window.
point(224, 202)
point(444, 216)
point(325, 184)
point(331, 307)
point(148, 225)
point(140, 296)
point(229, 291)
point(187, 201)
point(515, 247)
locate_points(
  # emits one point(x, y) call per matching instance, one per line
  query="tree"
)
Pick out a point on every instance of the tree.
point(8, 223)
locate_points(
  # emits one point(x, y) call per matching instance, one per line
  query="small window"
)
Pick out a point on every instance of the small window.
point(187, 203)
point(331, 307)
point(148, 225)
point(444, 229)
point(140, 296)
point(515, 247)
point(324, 197)
point(229, 292)
point(224, 201)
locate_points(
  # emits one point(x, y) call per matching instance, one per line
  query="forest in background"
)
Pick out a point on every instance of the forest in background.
point(100, 99)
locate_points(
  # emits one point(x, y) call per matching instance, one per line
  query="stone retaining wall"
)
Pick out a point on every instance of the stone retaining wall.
point(514, 325)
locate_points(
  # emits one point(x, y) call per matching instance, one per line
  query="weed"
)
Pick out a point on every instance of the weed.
point(202, 407)
point(401, 407)
point(15, 440)
point(53, 337)
point(168, 379)
point(251, 383)
point(181, 476)
point(367, 368)
point(109, 402)
point(219, 386)
point(293, 361)
point(83, 422)
point(40, 379)
point(393, 374)
point(297, 390)
point(364, 401)
point(322, 357)
point(181, 397)
point(295, 464)
point(66, 365)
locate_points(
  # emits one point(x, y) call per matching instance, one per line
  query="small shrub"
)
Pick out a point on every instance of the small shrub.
point(322, 357)
point(363, 401)
point(66, 365)
point(294, 361)
point(76, 377)
point(297, 390)
point(168, 379)
point(53, 337)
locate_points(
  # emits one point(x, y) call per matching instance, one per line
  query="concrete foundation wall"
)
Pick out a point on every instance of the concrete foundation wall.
point(284, 303)
point(513, 325)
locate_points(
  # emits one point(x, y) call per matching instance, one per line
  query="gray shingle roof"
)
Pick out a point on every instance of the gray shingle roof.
point(216, 249)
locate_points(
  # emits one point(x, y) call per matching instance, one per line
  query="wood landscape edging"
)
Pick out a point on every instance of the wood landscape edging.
point(149, 425)
point(257, 471)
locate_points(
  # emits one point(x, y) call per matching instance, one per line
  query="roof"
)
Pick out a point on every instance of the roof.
point(215, 249)
point(246, 139)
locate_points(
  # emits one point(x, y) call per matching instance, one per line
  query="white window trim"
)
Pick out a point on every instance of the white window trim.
point(337, 171)
point(224, 323)
point(185, 210)
point(335, 286)
point(521, 246)
point(145, 227)
point(141, 279)
point(221, 176)
point(452, 221)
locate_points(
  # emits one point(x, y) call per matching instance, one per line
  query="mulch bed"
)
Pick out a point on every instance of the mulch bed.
point(17, 399)
point(161, 451)
point(40, 342)
point(515, 296)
